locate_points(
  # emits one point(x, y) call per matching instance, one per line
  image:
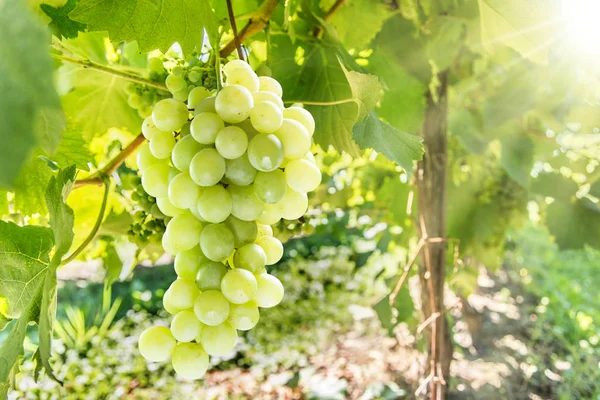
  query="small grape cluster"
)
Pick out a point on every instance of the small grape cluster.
point(148, 225)
point(243, 163)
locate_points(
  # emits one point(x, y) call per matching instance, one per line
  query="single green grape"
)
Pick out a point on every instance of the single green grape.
point(210, 274)
point(185, 326)
point(219, 340)
point(269, 291)
point(205, 127)
point(272, 247)
point(184, 230)
point(268, 84)
point(301, 115)
point(183, 293)
point(231, 142)
point(190, 360)
point(239, 171)
point(211, 307)
point(156, 343)
point(169, 115)
point(245, 316)
point(239, 285)
point(214, 204)
point(266, 117)
point(245, 205)
point(270, 187)
point(183, 152)
point(155, 180)
point(183, 191)
point(207, 167)
point(294, 138)
point(251, 257)
point(216, 242)
point(265, 152)
point(244, 232)
point(233, 103)
point(187, 263)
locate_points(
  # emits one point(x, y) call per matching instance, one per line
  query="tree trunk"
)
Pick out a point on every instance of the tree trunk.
point(431, 190)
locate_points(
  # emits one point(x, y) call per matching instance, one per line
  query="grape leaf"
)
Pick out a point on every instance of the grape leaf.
point(554, 185)
point(445, 41)
point(583, 214)
point(154, 24)
point(30, 186)
point(73, 149)
point(366, 89)
point(467, 127)
point(403, 306)
point(517, 152)
point(61, 24)
point(30, 109)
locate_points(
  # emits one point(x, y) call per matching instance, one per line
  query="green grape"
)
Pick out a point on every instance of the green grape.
point(167, 208)
point(134, 100)
point(183, 191)
point(215, 204)
point(145, 111)
point(156, 343)
point(195, 212)
point(155, 65)
point(211, 308)
point(270, 187)
point(183, 152)
point(244, 232)
point(270, 215)
point(239, 171)
point(273, 248)
point(145, 158)
point(310, 157)
point(219, 340)
point(194, 76)
point(268, 84)
point(301, 115)
point(175, 83)
point(210, 274)
point(155, 180)
point(231, 142)
point(266, 117)
point(149, 129)
point(293, 204)
point(244, 317)
point(206, 105)
point(177, 70)
point(183, 293)
point(294, 138)
point(245, 204)
point(233, 64)
point(187, 263)
point(239, 285)
point(162, 144)
point(190, 361)
point(168, 303)
point(205, 127)
point(196, 95)
point(302, 175)
point(269, 97)
point(265, 152)
point(263, 230)
point(233, 103)
point(185, 326)
point(207, 167)
point(250, 257)
point(184, 230)
point(169, 115)
point(130, 87)
point(216, 242)
point(182, 95)
point(244, 77)
point(269, 291)
point(167, 244)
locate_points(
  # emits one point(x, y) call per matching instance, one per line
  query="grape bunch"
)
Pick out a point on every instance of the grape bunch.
point(242, 164)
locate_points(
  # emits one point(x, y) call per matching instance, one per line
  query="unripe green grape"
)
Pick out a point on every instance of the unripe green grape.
point(149, 129)
point(183, 152)
point(196, 95)
point(162, 144)
point(263, 230)
point(194, 76)
point(266, 117)
point(130, 87)
point(168, 303)
point(166, 207)
point(209, 275)
point(216, 242)
point(302, 175)
point(294, 137)
point(239, 171)
point(190, 361)
point(184, 230)
point(187, 263)
point(175, 83)
point(155, 180)
point(269, 291)
point(134, 100)
point(145, 158)
point(270, 187)
point(293, 204)
point(145, 111)
point(268, 84)
point(206, 126)
point(156, 343)
point(250, 257)
point(183, 191)
point(155, 64)
point(183, 293)
point(185, 326)
point(265, 152)
point(244, 317)
point(238, 286)
point(270, 215)
point(244, 77)
point(214, 204)
point(231, 142)
point(169, 115)
point(273, 248)
point(182, 95)
point(245, 204)
point(177, 70)
point(233, 103)
point(233, 64)
point(211, 307)
point(268, 96)
point(244, 232)
point(219, 340)
point(194, 210)
point(301, 115)
point(168, 244)
point(207, 167)
point(206, 105)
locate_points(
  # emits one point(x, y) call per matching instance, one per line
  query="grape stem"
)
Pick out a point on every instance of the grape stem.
point(96, 227)
point(257, 23)
point(236, 38)
point(108, 70)
point(321, 103)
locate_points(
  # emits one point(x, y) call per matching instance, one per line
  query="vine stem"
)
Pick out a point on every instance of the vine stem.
point(236, 38)
point(96, 227)
point(108, 70)
point(329, 15)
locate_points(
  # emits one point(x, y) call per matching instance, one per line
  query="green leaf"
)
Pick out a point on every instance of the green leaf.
point(467, 127)
point(112, 264)
point(517, 154)
point(574, 224)
point(73, 149)
point(446, 40)
point(61, 24)
point(153, 24)
point(554, 185)
point(502, 106)
point(366, 89)
point(61, 215)
point(30, 187)
point(401, 312)
point(399, 147)
point(30, 110)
